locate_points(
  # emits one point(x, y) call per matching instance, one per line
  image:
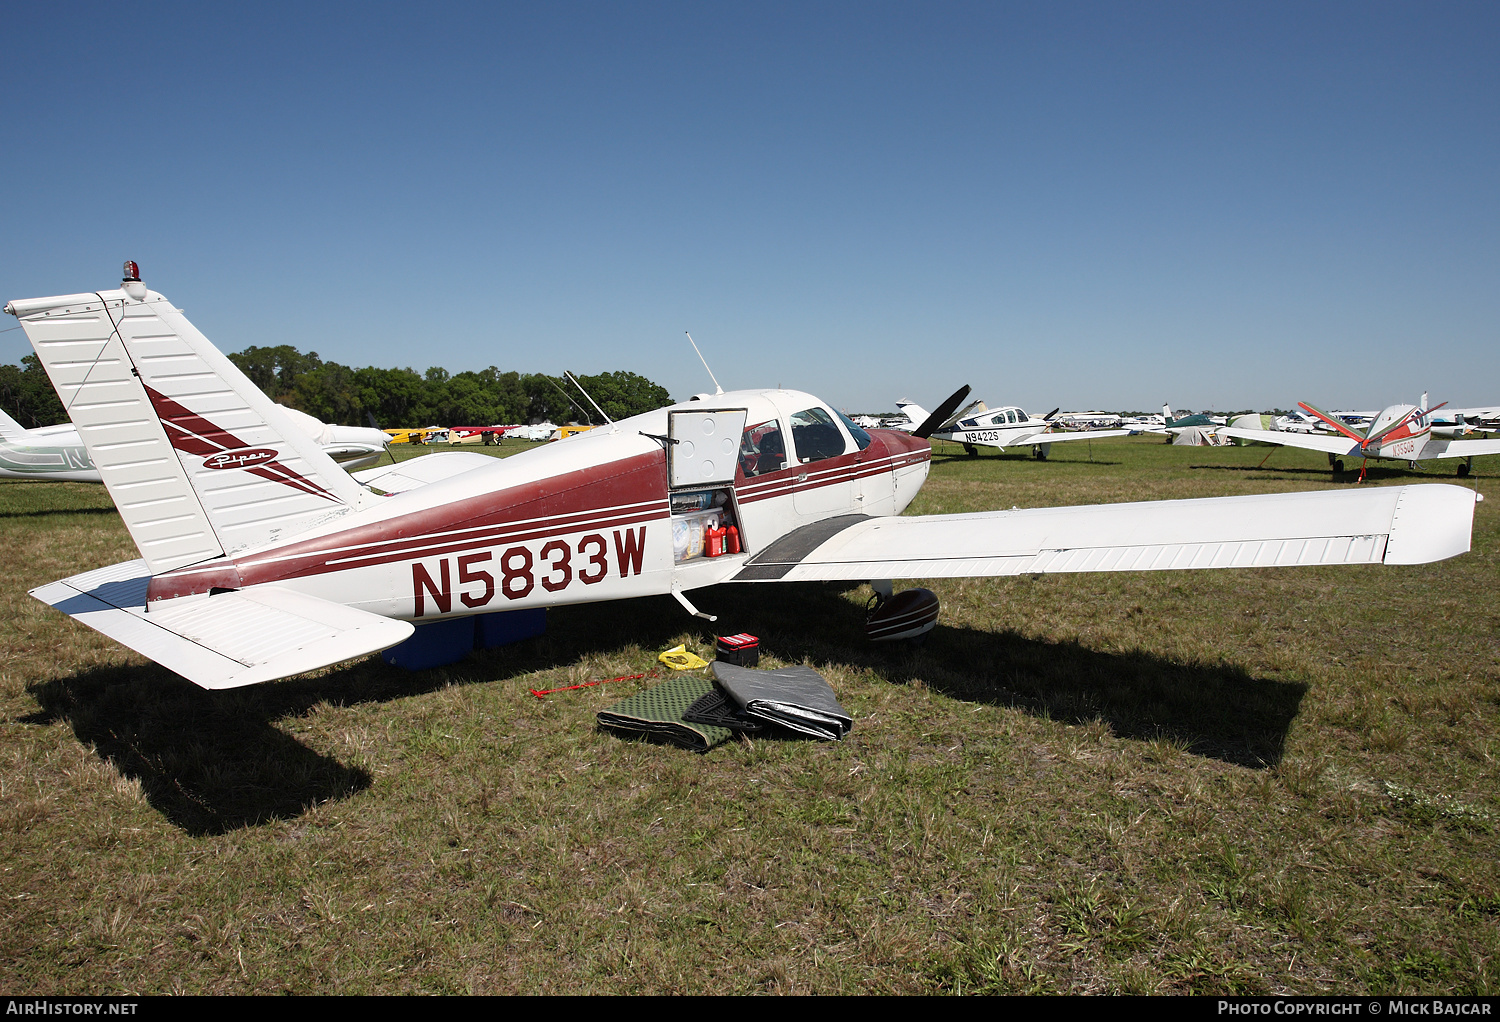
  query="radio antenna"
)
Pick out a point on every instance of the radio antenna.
point(585, 393)
point(717, 389)
point(566, 396)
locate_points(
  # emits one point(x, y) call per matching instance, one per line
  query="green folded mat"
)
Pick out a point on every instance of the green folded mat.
point(658, 712)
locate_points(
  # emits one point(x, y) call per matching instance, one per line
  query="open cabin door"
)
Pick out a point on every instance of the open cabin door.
point(701, 463)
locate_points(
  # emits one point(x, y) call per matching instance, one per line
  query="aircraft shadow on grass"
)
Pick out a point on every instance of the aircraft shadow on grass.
point(59, 512)
point(211, 762)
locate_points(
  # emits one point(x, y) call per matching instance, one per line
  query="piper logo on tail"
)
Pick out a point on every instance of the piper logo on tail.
point(242, 457)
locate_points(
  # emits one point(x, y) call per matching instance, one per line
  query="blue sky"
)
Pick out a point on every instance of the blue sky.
point(1087, 205)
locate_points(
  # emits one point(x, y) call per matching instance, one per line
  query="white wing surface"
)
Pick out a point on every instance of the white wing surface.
point(1460, 448)
point(1044, 437)
point(1390, 525)
point(1325, 442)
point(224, 640)
point(429, 468)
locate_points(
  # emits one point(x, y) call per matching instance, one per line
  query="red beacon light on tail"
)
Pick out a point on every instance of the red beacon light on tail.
point(132, 271)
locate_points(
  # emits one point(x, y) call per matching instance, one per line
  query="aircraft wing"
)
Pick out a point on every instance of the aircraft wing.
point(1045, 437)
point(429, 468)
point(1390, 525)
point(1439, 448)
point(1326, 442)
point(225, 640)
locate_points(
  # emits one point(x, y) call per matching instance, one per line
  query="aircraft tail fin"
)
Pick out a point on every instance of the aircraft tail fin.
point(10, 429)
point(913, 411)
point(198, 461)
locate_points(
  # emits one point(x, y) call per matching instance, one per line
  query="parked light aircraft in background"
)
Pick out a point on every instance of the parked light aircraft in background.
point(1463, 421)
point(977, 426)
point(260, 559)
point(1173, 425)
point(56, 452)
point(1399, 433)
point(49, 452)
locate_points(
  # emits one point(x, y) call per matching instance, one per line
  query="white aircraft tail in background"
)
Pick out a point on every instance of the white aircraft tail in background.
point(48, 453)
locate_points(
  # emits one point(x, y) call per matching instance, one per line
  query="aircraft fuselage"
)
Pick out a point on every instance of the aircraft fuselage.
point(589, 518)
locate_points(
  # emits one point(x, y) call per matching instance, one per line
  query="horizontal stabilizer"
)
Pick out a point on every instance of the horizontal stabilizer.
point(1389, 525)
point(429, 468)
point(224, 640)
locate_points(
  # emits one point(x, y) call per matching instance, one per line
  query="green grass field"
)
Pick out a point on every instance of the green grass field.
point(1275, 780)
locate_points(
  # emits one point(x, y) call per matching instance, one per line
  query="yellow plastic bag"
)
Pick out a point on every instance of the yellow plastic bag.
point(680, 659)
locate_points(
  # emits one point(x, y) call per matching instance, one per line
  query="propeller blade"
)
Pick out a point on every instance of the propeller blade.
point(1048, 416)
point(944, 410)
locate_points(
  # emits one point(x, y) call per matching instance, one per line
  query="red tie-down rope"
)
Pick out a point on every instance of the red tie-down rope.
point(586, 684)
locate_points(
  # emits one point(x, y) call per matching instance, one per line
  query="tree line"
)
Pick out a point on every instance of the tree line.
point(392, 397)
point(402, 397)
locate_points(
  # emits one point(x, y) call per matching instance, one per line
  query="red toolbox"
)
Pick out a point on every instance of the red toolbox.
point(742, 650)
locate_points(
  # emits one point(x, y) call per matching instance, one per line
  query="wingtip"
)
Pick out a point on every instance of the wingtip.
point(1431, 522)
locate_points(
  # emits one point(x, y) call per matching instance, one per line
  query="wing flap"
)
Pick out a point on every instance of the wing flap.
point(224, 640)
point(1391, 525)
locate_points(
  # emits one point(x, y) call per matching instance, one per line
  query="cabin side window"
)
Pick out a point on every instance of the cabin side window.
point(762, 449)
point(815, 436)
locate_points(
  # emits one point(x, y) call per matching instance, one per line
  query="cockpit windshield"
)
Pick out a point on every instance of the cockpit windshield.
point(861, 438)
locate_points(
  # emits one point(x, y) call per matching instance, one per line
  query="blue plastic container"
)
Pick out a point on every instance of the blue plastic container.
point(434, 644)
point(505, 627)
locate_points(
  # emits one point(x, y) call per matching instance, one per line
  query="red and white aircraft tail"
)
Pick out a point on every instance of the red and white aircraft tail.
point(201, 465)
point(199, 462)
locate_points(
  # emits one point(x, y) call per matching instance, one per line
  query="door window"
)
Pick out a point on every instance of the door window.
point(762, 449)
point(815, 436)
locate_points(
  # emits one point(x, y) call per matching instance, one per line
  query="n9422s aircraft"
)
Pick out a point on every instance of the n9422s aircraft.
point(261, 559)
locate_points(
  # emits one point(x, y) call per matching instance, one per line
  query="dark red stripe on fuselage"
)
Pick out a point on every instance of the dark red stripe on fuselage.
point(586, 500)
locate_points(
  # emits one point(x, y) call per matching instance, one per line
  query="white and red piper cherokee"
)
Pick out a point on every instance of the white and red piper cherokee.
point(261, 559)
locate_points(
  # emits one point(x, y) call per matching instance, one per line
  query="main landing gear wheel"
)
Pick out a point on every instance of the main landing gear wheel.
point(1338, 467)
point(971, 450)
point(1038, 453)
point(1463, 471)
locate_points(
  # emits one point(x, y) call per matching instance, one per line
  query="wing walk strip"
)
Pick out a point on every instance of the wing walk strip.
point(226, 640)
